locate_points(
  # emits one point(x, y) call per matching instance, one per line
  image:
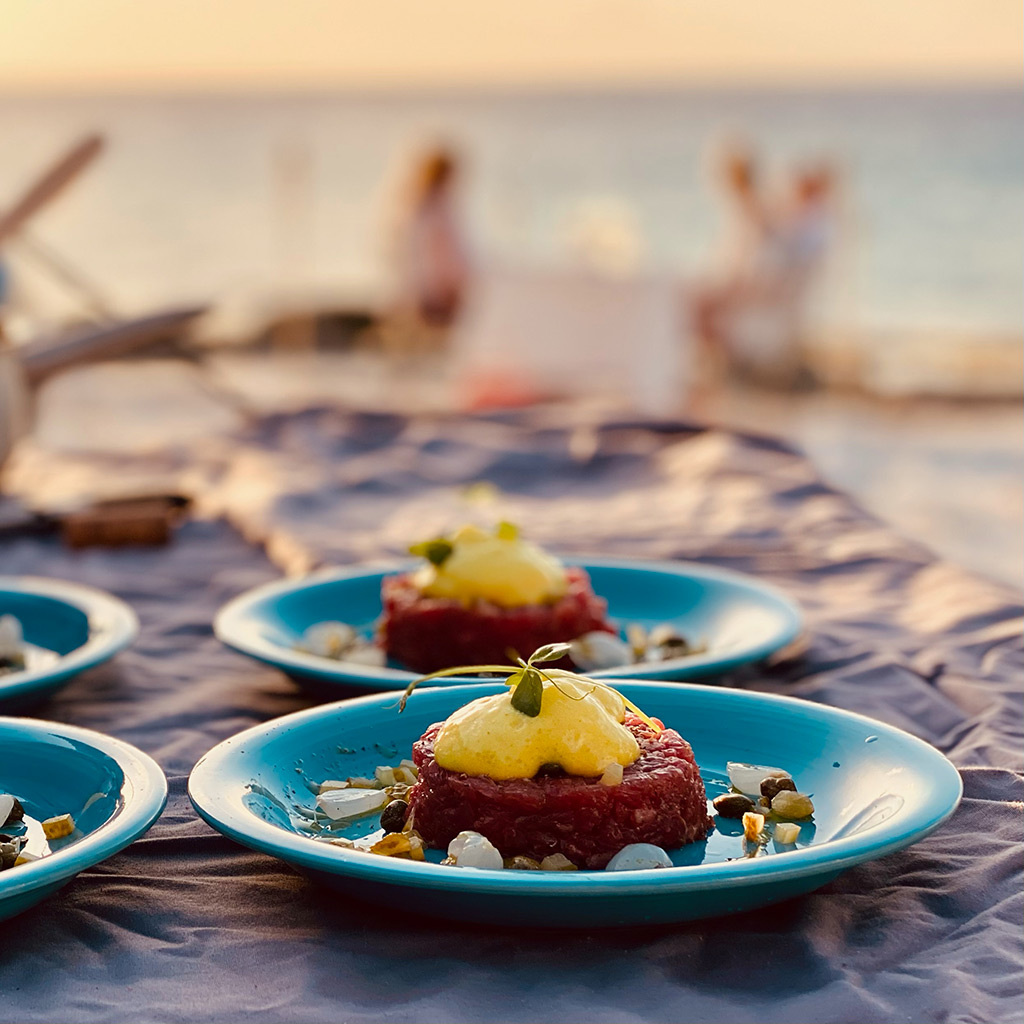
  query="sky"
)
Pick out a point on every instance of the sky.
point(240, 45)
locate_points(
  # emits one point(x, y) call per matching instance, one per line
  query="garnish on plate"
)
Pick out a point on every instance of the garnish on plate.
point(526, 681)
point(436, 551)
point(481, 592)
point(570, 748)
point(556, 772)
point(12, 644)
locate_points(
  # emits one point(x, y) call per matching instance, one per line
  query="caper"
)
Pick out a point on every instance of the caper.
point(787, 804)
point(732, 805)
point(774, 783)
point(392, 818)
point(676, 649)
point(17, 812)
point(9, 854)
point(664, 636)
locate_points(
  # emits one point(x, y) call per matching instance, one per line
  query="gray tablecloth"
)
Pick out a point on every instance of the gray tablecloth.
point(185, 925)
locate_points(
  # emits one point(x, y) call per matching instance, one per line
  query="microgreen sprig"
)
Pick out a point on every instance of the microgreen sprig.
point(436, 551)
point(527, 682)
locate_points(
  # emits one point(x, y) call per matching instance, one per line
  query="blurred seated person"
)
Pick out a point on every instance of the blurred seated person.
point(750, 317)
point(431, 259)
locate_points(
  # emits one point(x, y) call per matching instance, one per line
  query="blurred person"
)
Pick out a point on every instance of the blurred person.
point(805, 226)
point(432, 263)
point(746, 239)
point(750, 317)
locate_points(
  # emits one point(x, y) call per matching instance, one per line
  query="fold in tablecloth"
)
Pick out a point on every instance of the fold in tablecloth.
point(187, 926)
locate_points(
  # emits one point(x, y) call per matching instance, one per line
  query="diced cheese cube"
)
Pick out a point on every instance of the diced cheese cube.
point(59, 826)
point(753, 824)
point(786, 833)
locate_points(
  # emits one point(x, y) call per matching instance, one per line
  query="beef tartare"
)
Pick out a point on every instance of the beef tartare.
point(480, 595)
point(430, 633)
point(660, 800)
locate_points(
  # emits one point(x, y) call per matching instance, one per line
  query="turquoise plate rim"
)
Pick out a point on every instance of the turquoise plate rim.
point(233, 625)
point(143, 794)
point(206, 790)
point(113, 626)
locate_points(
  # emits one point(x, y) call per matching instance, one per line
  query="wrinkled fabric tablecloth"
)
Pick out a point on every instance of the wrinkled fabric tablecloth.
point(187, 926)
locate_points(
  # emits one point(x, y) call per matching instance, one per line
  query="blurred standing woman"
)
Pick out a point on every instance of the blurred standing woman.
point(432, 262)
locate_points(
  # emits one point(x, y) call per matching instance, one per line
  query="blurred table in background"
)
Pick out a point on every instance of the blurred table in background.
point(948, 473)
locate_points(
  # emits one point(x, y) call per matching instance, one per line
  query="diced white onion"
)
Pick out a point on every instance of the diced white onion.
point(456, 845)
point(11, 638)
point(598, 650)
point(349, 803)
point(328, 639)
point(367, 654)
point(747, 777)
point(358, 782)
point(329, 784)
point(639, 857)
point(472, 850)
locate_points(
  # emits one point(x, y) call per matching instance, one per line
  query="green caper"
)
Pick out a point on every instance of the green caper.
point(787, 804)
point(392, 818)
point(774, 783)
point(732, 805)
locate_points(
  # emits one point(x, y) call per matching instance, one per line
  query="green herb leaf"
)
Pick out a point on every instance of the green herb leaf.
point(529, 692)
point(506, 531)
point(549, 652)
point(436, 551)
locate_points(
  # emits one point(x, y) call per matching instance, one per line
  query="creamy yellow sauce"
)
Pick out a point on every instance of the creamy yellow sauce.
point(583, 736)
point(506, 571)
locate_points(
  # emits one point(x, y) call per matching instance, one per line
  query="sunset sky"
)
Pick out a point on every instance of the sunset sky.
point(275, 44)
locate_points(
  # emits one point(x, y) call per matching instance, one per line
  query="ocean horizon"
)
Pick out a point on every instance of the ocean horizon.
point(211, 196)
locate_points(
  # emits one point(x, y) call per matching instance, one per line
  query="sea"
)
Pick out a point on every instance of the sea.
point(212, 197)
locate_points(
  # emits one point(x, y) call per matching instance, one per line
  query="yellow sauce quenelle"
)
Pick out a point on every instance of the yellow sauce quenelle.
point(490, 737)
point(497, 567)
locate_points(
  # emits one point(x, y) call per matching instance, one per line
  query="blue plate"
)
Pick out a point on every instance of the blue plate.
point(112, 791)
point(68, 628)
point(875, 789)
point(739, 619)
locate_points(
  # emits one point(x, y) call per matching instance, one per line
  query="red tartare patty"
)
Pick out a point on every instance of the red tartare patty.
point(430, 633)
point(660, 800)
